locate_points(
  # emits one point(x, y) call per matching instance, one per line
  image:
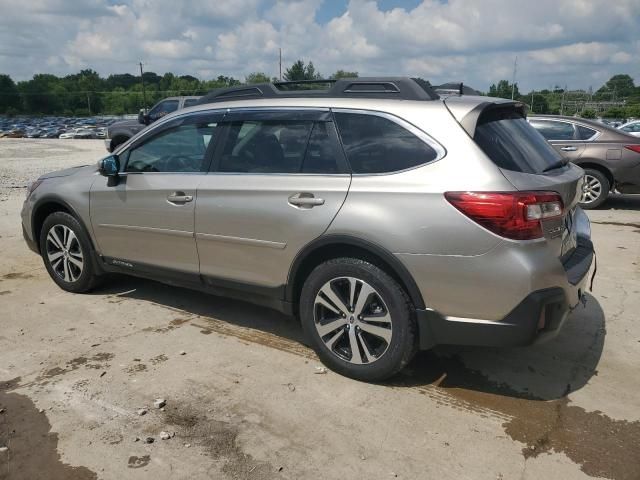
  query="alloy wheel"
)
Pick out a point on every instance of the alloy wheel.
point(64, 253)
point(591, 189)
point(353, 320)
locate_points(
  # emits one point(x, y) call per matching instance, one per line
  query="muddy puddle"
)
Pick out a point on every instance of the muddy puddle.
point(32, 445)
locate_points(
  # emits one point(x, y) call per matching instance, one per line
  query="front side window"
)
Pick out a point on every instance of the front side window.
point(162, 109)
point(179, 149)
point(374, 144)
point(554, 130)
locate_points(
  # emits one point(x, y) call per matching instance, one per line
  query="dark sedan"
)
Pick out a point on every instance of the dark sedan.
point(609, 157)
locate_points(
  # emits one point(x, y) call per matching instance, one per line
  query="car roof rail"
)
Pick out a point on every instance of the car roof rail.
point(455, 88)
point(398, 88)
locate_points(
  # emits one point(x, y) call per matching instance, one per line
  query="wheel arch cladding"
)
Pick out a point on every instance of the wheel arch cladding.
point(336, 246)
point(46, 207)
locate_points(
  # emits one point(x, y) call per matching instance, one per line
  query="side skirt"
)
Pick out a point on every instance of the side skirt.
point(270, 297)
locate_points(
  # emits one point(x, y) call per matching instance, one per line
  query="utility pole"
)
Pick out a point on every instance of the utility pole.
point(144, 95)
point(89, 103)
point(280, 49)
point(531, 101)
point(513, 84)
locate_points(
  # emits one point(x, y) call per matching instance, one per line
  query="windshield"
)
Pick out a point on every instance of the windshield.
point(508, 139)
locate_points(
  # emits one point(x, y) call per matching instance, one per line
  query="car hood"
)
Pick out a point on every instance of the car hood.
point(126, 124)
point(80, 170)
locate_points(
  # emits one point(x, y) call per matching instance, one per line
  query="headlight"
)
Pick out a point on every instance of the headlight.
point(32, 186)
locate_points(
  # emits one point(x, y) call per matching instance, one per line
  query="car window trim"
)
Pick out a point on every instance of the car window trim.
point(252, 114)
point(575, 129)
point(173, 122)
point(441, 152)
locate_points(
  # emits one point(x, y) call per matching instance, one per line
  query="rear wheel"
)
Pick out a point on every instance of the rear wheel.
point(595, 189)
point(359, 320)
point(66, 252)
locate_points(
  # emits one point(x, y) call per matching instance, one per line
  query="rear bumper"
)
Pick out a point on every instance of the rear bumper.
point(537, 318)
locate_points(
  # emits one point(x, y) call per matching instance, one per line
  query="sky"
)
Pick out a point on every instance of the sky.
point(577, 43)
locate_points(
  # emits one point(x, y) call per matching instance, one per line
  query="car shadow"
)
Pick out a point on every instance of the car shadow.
point(617, 201)
point(546, 371)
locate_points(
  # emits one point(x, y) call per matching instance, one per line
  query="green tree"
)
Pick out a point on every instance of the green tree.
point(615, 112)
point(620, 85)
point(300, 71)
point(588, 113)
point(257, 77)
point(503, 90)
point(9, 95)
point(344, 74)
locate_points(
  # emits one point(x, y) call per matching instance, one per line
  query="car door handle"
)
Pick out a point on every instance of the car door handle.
point(179, 197)
point(568, 149)
point(305, 200)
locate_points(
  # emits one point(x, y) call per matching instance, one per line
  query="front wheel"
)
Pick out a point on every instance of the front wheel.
point(595, 189)
point(66, 252)
point(358, 319)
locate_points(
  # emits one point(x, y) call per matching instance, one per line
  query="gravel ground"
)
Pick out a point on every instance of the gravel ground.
point(244, 400)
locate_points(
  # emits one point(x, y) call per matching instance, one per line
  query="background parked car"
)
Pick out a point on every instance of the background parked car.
point(78, 133)
point(120, 132)
point(632, 128)
point(609, 157)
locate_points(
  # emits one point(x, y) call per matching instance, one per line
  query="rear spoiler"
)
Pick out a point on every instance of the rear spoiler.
point(470, 121)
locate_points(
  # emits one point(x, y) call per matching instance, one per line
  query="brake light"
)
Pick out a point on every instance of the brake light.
point(514, 215)
point(633, 148)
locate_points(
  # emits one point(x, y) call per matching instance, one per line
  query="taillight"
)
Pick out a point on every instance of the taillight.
point(633, 148)
point(514, 215)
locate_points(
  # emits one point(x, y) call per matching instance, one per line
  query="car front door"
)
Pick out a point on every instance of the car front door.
point(276, 184)
point(562, 135)
point(146, 221)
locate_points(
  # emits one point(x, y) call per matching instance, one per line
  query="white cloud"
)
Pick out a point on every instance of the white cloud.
point(577, 42)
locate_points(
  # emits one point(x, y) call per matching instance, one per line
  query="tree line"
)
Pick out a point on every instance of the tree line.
point(619, 97)
point(87, 93)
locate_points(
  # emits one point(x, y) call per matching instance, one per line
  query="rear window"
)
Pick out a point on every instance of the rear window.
point(507, 138)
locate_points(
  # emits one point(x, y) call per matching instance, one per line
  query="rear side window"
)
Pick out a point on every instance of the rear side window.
point(508, 139)
point(554, 130)
point(374, 144)
point(279, 146)
point(585, 133)
point(190, 102)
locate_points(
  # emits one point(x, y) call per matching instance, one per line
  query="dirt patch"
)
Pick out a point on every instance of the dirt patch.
point(619, 224)
point(173, 324)
point(138, 462)
point(32, 445)
point(159, 359)
point(76, 363)
point(220, 441)
point(5, 292)
point(17, 276)
point(602, 446)
point(137, 368)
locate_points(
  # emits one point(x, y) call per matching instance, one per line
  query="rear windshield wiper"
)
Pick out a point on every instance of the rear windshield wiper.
point(556, 164)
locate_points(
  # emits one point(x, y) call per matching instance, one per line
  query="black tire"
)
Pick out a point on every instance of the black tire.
point(77, 280)
point(604, 186)
point(394, 300)
point(116, 142)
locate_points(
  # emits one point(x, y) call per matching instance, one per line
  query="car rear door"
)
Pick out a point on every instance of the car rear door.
point(146, 221)
point(276, 184)
point(562, 135)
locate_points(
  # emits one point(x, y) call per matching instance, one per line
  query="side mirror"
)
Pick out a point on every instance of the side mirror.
point(109, 166)
point(143, 117)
